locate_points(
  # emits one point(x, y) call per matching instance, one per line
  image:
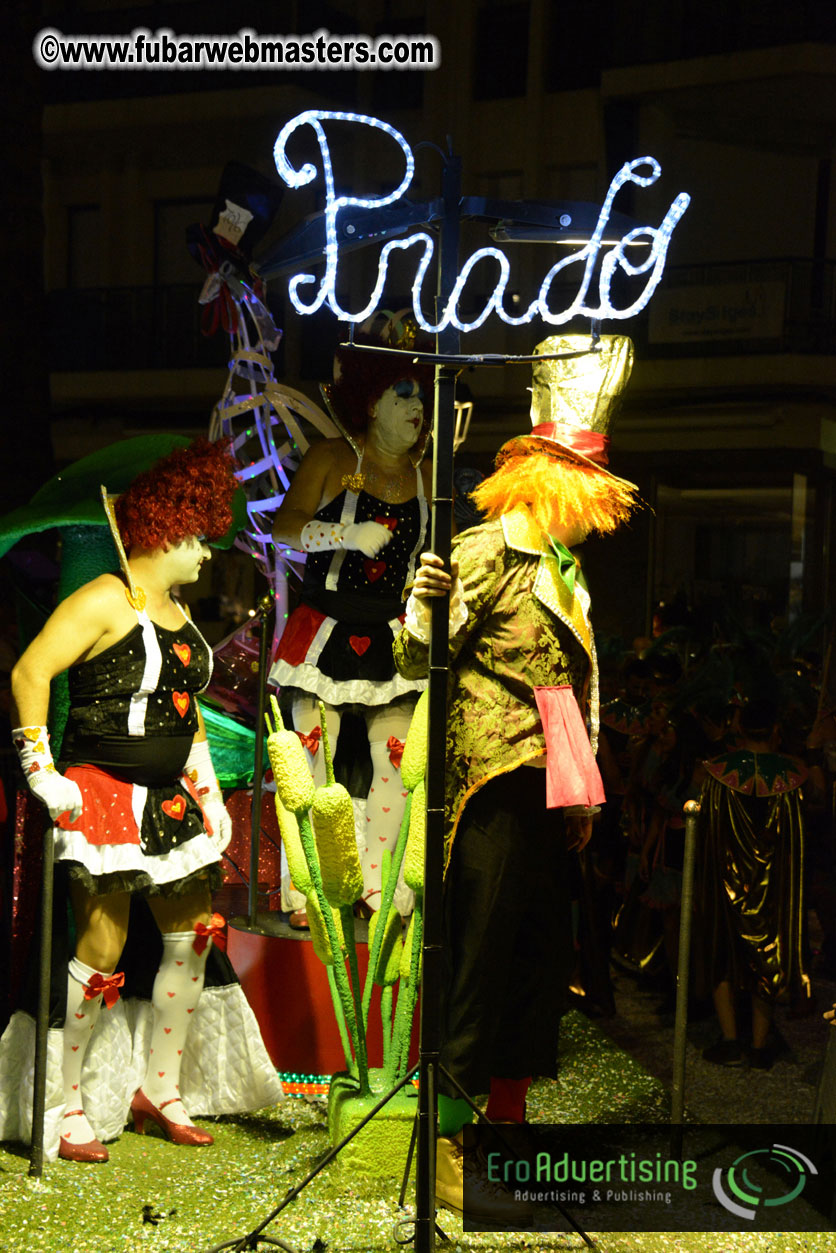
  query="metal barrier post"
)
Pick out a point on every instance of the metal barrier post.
point(692, 810)
point(36, 1155)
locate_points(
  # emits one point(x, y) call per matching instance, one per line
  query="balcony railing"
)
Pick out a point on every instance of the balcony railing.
point(776, 306)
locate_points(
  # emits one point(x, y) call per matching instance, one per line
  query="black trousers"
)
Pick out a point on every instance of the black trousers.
point(508, 950)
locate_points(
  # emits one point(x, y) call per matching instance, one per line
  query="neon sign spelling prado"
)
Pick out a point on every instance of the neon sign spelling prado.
point(657, 238)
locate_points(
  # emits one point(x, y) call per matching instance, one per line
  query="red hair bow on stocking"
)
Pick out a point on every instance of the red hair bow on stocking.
point(396, 748)
point(215, 931)
point(107, 988)
point(311, 742)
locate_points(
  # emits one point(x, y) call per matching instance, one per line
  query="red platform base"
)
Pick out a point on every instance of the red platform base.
point(287, 987)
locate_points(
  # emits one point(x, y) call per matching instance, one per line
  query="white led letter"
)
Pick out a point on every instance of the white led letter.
point(658, 239)
point(299, 178)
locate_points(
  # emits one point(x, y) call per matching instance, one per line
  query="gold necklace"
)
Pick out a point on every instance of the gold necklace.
point(386, 485)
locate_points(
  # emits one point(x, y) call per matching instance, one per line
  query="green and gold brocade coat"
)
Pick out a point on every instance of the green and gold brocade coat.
point(524, 629)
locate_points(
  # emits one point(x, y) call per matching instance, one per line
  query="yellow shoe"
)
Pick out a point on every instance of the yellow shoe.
point(449, 1172)
point(490, 1204)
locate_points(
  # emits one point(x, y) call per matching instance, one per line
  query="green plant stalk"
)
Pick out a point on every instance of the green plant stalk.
point(347, 918)
point(386, 1023)
point(407, 997)
point(326, 747)
point(387, 896)
point(339, 1015)
point(358, 1037)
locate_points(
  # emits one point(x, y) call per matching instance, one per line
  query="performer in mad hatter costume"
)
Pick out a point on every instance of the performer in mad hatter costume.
point(522, 783)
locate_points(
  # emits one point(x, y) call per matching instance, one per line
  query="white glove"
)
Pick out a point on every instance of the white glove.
point(200, 770)
point(365, 537)
point(60, 794)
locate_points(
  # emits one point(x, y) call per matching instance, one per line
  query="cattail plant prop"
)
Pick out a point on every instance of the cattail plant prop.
point(414, 759)
point(410, 976)
point(410, 970)
point(409, 853)
point(296, 792)
point(342, 874)
point(388, 883)
point(386, 970)
point(318, 830)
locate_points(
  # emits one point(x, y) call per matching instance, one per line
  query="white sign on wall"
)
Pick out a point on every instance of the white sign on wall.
point(726, 311)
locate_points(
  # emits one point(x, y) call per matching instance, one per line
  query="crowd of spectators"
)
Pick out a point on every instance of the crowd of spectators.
point(678, 713)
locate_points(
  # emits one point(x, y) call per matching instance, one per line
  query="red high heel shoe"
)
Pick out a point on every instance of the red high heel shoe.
point(177, 1132)
point(90, 1151)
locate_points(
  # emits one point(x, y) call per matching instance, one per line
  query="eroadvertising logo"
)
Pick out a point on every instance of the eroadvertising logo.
point(621, 1178)
point(633, 1177)
point(762, 1177)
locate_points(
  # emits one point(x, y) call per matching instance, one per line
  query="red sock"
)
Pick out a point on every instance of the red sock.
point(506, 1102)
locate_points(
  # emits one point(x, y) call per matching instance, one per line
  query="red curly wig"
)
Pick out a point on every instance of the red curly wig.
point(538, 480)
point(363, 377)
point(188, 492)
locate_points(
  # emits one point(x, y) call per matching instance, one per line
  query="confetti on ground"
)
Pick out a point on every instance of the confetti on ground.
point(155, 1197)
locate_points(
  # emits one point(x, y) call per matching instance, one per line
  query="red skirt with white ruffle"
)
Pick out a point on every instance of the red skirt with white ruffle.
point(130, 836)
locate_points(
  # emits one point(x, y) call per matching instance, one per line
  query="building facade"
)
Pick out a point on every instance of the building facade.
point(729, 424)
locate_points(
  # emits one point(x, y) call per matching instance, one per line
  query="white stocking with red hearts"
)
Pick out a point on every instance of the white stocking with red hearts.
point(78, 1028)
point(384, 809)
point(177, 989)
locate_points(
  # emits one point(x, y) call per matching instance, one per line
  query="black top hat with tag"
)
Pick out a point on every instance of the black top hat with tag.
point(244, 209)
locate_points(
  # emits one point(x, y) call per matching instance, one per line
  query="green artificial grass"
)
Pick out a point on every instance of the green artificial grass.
point(157, 1197)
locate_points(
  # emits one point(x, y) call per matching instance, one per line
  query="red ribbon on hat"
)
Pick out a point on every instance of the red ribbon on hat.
point(311, 742)
point(591, 444)
point(396, 748)
point(216, 931)
point(107, 988)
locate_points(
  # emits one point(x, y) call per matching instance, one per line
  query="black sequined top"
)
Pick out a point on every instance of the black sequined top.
point(134, 703)
point(368, 589)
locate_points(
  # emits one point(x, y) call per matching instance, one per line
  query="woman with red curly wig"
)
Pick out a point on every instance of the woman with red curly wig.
point(138, 813)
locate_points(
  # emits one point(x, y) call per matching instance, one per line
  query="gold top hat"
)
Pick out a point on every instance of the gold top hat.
point(581, 391)
point(574, 400)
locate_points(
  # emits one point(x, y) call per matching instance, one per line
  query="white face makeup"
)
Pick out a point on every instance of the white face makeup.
point(184, 560)
point(397, 417)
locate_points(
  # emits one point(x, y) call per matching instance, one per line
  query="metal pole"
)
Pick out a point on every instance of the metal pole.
point(264, 607)
point(442, 527)
point(692, 811)
point(36, 1156)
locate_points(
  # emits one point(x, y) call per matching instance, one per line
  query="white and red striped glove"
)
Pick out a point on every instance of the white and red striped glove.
point(365, 537)
point(53, 789)
point(200, 770)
